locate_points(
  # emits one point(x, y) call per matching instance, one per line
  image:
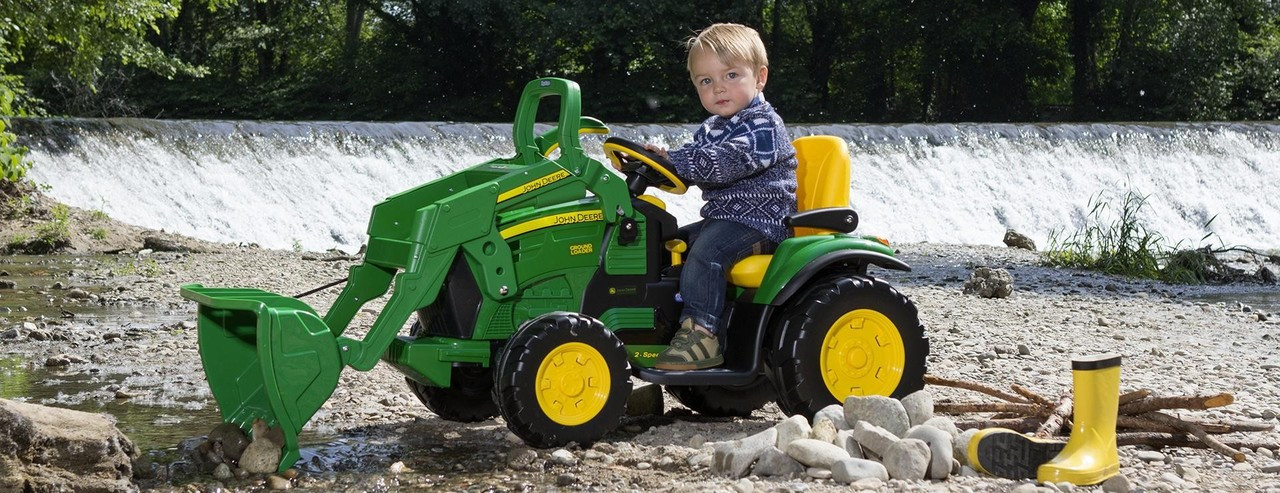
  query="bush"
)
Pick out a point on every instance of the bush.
point(98, 233)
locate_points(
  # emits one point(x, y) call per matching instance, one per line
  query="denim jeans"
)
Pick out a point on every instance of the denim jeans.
point(714, 246)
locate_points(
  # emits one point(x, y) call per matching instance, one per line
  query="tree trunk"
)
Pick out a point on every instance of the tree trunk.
point(351, 32)
point(1082, 45)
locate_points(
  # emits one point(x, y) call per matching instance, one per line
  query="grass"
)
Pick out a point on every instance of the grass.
point(1115, 240)
point(98, 233)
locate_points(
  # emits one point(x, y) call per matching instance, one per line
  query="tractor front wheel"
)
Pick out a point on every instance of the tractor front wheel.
point(725, 400)
point(846, 336)
point(563, 377)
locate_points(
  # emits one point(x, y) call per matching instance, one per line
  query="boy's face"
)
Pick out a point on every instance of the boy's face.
point(725, 89)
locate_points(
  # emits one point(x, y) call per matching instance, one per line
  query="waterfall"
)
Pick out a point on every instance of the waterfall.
point(312, 184)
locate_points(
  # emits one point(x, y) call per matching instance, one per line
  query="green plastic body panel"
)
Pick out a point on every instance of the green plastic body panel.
point(429, 360)
point(794, 254)
point(266, 356)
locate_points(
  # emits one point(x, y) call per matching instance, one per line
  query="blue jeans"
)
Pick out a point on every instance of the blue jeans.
point(714, 246)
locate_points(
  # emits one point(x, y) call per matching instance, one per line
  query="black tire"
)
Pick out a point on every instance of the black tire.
point(469, 397)
point(592, 388)
point(725, 400)
point(887, 358)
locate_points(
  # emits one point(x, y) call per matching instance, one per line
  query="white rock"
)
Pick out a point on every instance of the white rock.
point(824, 430)
point(873, 438)
point(835, 413)
point(792, 429)
point(878, 410)
point(735, 458)
point(815, 453)
point(845, 440)
point(774, 462)
point(818, 473)
point(907, 459)
point(940, 449)
point(850, 470)
point(1117, 484)
point(1150, 456)
point(919, 407)
point(961, 446)
point(563, 457)
point(945, 424)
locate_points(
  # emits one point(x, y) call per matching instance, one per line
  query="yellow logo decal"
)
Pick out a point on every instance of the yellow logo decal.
point(552, 220)
point(533, 185)
point(582, 249)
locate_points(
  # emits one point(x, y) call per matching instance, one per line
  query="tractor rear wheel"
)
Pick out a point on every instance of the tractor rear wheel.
point(725, 400)
point(563, 377)
point(468, 398)
point(846, 336)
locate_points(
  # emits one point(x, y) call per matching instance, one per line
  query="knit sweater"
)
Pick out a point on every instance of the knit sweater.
point(746, 168)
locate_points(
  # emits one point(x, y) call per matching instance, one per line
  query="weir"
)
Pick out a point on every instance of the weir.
point(312, 184)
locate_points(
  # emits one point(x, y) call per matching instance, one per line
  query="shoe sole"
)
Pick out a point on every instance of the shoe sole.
point(693, 365)
point(1013, 455)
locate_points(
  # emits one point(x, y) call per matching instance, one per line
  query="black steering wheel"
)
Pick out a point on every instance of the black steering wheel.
point(636, 161)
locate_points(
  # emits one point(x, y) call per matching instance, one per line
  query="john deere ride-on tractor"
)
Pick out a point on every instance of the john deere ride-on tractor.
point(543, 282)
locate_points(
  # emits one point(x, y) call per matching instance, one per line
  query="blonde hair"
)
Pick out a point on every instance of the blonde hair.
point(733, 43)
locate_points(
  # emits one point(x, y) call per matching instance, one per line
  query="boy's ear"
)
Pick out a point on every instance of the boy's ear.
point(764, 76)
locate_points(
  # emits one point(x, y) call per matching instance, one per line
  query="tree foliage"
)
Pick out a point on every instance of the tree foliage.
point(831, 60)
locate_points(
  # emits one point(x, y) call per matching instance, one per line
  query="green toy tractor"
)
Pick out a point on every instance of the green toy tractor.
point(541, 285)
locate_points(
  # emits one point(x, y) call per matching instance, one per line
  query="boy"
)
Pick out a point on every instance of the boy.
point(743, 161)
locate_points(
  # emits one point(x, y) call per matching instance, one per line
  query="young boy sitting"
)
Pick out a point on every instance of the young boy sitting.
point(743, 161)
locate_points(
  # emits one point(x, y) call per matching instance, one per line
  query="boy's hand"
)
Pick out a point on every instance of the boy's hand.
point(659, 150)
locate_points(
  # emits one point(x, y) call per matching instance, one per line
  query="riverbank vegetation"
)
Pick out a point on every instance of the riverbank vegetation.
point(832, 60)
point(1114, 239)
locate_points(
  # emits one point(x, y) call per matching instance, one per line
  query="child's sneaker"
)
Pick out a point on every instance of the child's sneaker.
point(692, 348)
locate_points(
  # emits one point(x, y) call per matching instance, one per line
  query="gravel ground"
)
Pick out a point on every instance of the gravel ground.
point(373, 434)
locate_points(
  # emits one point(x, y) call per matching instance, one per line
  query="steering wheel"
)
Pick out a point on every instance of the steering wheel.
point(634, 160)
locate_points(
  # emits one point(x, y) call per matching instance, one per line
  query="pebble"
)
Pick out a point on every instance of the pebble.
point(566, 479)
point(818, 473)
point(278, 483)
point(1150, 456)
point(563, 457)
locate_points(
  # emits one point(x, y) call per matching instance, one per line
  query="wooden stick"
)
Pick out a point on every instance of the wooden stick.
point(1182, 440)
point(936, 380)
point(1022, 425)
point(1053, 424)
point(990, 407)
point(1216, 427)
point(1199, 433)
point(1128, 397)
point(1028, 393)
point(1177, 402)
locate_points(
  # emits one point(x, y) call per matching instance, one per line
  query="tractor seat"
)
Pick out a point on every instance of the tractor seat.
point(822, 200)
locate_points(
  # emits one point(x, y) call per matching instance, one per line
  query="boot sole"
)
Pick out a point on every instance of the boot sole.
point(1013, 455)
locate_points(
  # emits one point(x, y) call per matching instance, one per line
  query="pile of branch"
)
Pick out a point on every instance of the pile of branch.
point(1141, 418)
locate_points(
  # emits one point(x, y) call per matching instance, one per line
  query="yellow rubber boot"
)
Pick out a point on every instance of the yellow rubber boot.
point(1090, 455)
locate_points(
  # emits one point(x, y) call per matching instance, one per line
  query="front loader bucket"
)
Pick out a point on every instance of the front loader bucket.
point(266, 356)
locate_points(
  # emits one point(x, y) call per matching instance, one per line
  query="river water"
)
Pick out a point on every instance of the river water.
point(312, 184)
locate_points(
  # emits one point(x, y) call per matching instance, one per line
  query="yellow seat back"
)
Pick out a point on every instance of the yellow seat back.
point(822, 180)
point(822, 177)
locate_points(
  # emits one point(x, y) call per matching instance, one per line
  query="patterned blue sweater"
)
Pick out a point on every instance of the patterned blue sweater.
point(746, 168)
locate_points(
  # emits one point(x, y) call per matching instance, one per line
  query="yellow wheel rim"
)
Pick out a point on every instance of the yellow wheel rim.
point(862, 354)
point(573, 384)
